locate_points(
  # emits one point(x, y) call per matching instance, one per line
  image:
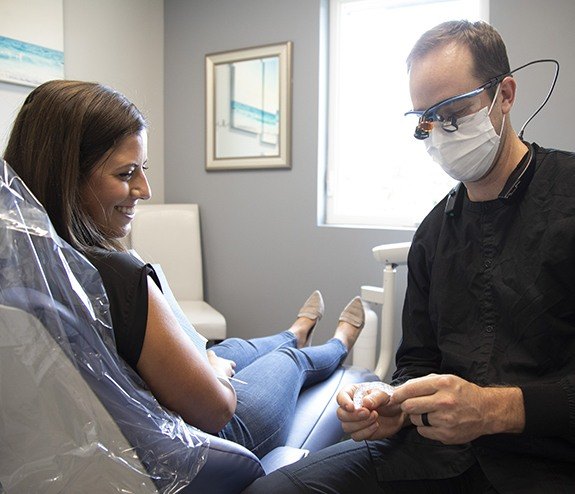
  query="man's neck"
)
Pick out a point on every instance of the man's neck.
point(488, 188)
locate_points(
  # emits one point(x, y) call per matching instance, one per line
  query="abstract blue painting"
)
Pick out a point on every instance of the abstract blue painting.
point(29, 64)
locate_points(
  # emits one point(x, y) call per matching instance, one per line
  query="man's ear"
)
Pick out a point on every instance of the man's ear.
point(508, 89)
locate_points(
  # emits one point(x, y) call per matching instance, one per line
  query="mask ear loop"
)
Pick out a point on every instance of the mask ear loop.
point(494, 99)
point(493, 104)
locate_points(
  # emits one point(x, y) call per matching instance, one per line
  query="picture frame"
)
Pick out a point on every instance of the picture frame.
point(248, 108)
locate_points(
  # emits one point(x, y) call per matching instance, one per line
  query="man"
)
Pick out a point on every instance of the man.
point(485, 380)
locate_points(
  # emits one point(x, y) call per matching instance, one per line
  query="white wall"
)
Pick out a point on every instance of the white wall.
point(119, 43)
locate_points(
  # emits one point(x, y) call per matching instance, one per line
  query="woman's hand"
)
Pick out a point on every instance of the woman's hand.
point(221, 366)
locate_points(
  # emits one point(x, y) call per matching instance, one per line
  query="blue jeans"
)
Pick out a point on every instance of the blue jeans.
point(275, 371)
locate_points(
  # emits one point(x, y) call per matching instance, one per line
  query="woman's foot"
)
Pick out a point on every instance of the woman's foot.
point(351, 322)
point(308, 316)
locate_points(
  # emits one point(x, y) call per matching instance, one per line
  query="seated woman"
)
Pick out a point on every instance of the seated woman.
point(82, 150)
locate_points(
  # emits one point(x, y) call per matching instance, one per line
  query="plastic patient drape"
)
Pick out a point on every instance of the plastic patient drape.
point(73, 416)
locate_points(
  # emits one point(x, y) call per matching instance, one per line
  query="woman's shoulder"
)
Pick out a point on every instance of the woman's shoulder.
point(114, 265)
point(125, 279)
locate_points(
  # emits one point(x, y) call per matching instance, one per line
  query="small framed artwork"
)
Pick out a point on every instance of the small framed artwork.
point(248, 108)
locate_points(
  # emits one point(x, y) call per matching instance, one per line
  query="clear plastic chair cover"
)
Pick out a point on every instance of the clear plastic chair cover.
point(73, 416)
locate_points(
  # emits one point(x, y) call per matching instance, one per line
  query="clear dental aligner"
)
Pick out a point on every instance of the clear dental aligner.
point(364, 387)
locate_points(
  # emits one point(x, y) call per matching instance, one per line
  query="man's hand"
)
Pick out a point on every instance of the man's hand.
point(376, 419)
point(457, 410)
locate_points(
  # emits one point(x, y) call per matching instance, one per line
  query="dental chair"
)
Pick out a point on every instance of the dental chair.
point(391, 256)
point(73, 416)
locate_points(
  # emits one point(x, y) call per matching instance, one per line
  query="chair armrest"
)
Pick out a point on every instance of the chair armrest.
point(229, 468)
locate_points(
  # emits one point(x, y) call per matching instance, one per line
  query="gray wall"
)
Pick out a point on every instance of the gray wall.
point(534, 29)
point(263, 249)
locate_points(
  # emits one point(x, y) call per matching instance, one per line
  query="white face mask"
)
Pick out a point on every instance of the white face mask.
point(468, 153)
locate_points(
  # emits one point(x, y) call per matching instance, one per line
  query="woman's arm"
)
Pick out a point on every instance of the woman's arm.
point(179, 377)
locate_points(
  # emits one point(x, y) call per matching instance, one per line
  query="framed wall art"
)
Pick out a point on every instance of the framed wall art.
point(248, 108)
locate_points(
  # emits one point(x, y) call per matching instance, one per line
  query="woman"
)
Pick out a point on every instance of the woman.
point(82, 150)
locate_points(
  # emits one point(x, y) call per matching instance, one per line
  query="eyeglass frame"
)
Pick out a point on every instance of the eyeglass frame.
point(427, 117)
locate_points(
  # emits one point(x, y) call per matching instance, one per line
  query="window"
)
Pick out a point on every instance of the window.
point(377, 173)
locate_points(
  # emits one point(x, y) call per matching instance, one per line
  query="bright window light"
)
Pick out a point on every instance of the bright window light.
point(377, 173)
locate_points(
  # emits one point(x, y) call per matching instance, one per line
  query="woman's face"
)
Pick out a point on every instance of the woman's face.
point(116, 184)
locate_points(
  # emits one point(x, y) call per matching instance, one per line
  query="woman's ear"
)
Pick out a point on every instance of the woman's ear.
point(508, 89)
